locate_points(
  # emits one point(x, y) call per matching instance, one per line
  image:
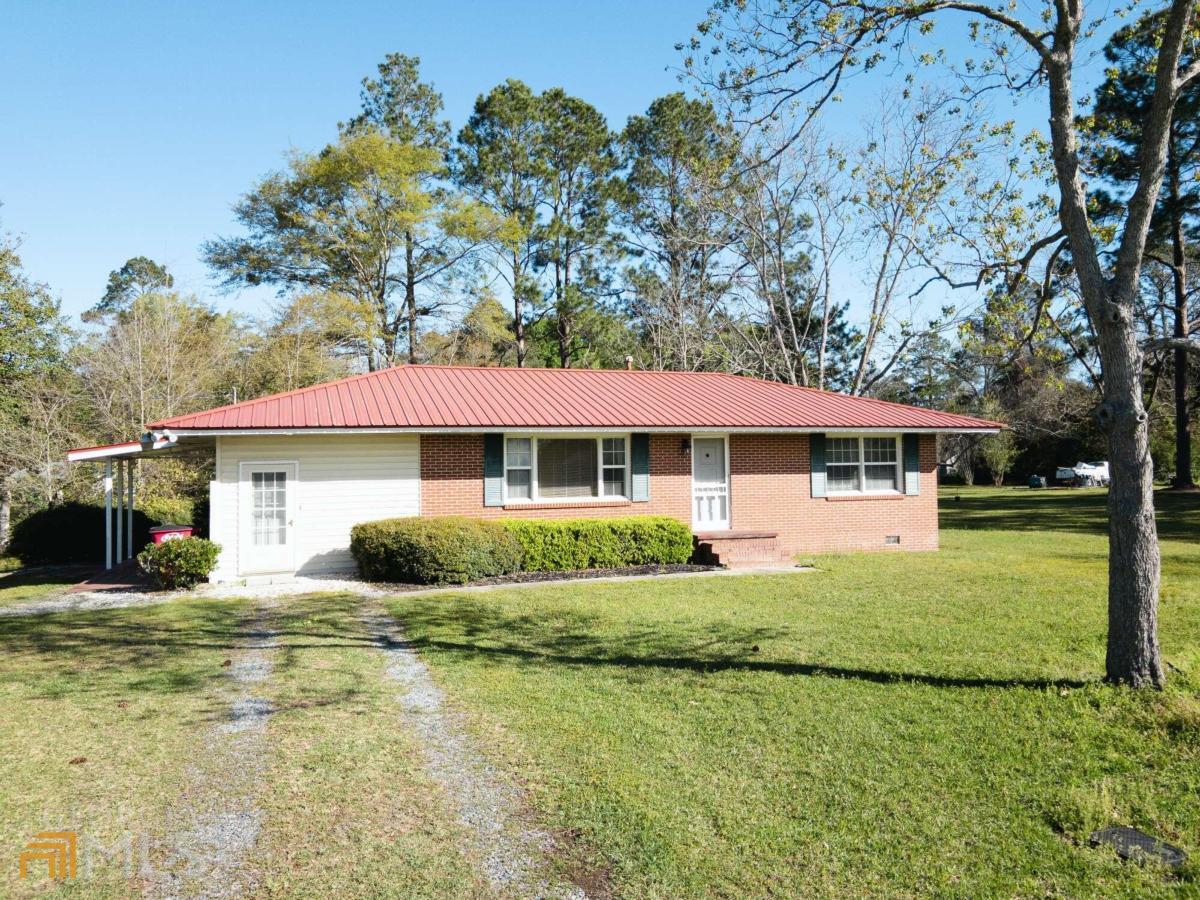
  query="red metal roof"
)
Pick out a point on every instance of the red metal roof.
point(433, 397)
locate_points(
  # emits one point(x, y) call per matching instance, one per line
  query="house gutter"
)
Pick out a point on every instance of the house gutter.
point(624, 429)
point(151, 440)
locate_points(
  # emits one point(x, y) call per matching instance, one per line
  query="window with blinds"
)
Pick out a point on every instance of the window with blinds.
point(565, 468)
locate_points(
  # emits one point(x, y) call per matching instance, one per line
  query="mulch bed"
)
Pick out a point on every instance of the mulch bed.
point(580, 575)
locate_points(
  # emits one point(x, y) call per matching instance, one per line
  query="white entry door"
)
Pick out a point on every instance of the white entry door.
point(268, 516)
point(710, 484)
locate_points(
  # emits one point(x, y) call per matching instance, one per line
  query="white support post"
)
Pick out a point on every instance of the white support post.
point(129, 516)
point(120, 491)
point(108, 490)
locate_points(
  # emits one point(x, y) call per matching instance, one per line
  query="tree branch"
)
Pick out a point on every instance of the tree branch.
point(1172, 343)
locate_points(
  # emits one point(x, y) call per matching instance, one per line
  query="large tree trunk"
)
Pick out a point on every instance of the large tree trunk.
point(564, 314)
point(1133, 557)
point(564, 342)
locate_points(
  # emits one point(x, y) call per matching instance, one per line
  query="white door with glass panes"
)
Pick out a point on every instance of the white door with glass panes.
point(710, 484)
point(268, 517)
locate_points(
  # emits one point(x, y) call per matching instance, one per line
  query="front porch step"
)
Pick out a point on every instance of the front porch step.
point(734, 549)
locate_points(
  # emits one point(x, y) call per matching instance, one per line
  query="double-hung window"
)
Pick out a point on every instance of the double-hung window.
point(613, 459)
point(518, 468)
point(565, 468)
point(863, 465)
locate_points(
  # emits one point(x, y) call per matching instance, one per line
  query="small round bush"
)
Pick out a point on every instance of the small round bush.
point(434, 550)
point(70, 533)
point(179, 564)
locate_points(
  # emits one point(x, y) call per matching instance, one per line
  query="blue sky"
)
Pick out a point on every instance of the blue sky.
point(130, 128)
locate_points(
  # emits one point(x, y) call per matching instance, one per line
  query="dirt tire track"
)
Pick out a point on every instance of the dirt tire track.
point(218, 821)
point(515, 855)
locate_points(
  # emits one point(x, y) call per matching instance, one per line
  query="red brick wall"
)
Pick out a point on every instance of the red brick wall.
point(770, 490)
point(452, 483)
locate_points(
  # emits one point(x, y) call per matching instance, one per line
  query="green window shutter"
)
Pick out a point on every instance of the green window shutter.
point(912, 464)
point(639, 466)
point(816, 444)
point(493, 470)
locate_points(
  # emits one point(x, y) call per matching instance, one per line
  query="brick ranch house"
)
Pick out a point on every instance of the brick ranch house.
point(759, 470)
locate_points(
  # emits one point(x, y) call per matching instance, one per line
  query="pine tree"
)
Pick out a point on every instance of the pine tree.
point(1115, 130)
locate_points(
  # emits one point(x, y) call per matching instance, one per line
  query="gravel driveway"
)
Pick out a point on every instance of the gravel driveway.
point(515, 855)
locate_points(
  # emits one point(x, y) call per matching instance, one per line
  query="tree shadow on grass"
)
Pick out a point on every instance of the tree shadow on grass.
point(1078, 511)
point(35, 575)
point(479, 630)
point(38, 583)
point(146, 649)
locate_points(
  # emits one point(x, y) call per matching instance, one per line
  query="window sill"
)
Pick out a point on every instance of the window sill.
point(568, 504)
point(843, 498)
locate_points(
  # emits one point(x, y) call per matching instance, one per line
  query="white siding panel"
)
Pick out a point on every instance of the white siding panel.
point(343, 480)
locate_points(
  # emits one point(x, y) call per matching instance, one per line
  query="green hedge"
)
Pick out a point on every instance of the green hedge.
point(442, 550)
point(564, 545)
point(181, 563)
point(70, 533)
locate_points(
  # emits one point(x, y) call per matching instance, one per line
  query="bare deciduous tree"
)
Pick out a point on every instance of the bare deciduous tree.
point(164, 355)
point(911, 174)
point(789, 218)
point(39, 422)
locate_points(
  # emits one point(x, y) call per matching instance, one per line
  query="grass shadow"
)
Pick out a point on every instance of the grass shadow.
point(38, 575)
point(151, 649)
point(1078, 511)
point(478, 630)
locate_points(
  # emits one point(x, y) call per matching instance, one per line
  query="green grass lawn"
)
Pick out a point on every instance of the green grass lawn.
point(100, 714)
point(1076, 510)
point(348, 808)
point(889, 725)
point(106, 723)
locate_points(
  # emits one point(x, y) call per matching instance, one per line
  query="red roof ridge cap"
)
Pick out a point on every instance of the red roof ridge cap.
point(585, 371)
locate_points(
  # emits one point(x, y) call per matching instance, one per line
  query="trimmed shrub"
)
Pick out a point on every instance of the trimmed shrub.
point(69, 533)
point(181, 563)
point(563, 545)
point(436, 550)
